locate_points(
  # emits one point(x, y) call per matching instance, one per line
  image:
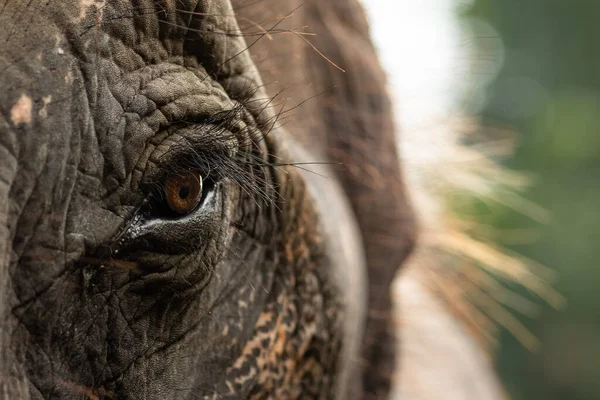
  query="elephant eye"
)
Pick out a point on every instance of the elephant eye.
point(183, 192)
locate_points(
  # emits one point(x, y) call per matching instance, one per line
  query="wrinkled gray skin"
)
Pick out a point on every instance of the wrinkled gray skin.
point(277, 284)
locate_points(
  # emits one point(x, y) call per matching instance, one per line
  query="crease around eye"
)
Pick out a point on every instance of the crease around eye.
point(195, 157)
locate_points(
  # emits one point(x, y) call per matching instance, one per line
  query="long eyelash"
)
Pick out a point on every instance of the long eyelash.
point(242, 167)
point(248, 166)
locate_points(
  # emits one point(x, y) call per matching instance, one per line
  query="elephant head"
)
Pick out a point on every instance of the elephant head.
point(161, 236)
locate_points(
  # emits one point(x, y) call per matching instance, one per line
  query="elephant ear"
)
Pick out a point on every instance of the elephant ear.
point(362, 138)
point(324, 61)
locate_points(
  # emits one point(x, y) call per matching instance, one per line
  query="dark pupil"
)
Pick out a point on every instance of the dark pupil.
point(184, 192)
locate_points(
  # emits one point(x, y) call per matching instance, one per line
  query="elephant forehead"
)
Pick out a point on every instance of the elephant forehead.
point(94, 50)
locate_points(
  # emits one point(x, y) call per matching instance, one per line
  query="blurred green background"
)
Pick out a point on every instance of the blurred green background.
point(548, 90)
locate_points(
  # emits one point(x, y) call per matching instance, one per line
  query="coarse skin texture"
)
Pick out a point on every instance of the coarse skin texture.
point(278, 284)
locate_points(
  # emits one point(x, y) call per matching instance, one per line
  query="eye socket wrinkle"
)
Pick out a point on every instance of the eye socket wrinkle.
point(218, 148)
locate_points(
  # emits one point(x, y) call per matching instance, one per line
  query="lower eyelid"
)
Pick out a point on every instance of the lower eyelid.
point(177, 230)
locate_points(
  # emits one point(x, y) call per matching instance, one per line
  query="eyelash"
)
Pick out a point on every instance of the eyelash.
point(205, 147)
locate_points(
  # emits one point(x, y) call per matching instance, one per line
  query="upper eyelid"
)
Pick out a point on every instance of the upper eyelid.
point(224, 144)
point(220, 131)
point(225, 132)
point(198, 146)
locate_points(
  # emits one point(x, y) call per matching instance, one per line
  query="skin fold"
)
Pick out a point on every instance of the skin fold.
point(277, 284)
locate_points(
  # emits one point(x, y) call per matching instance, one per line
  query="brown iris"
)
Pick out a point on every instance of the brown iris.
point(183, 192)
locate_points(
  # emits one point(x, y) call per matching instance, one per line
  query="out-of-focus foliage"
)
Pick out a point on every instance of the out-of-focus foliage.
point(548, 91)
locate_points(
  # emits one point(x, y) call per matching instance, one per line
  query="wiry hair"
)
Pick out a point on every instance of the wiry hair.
point(456, 256)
